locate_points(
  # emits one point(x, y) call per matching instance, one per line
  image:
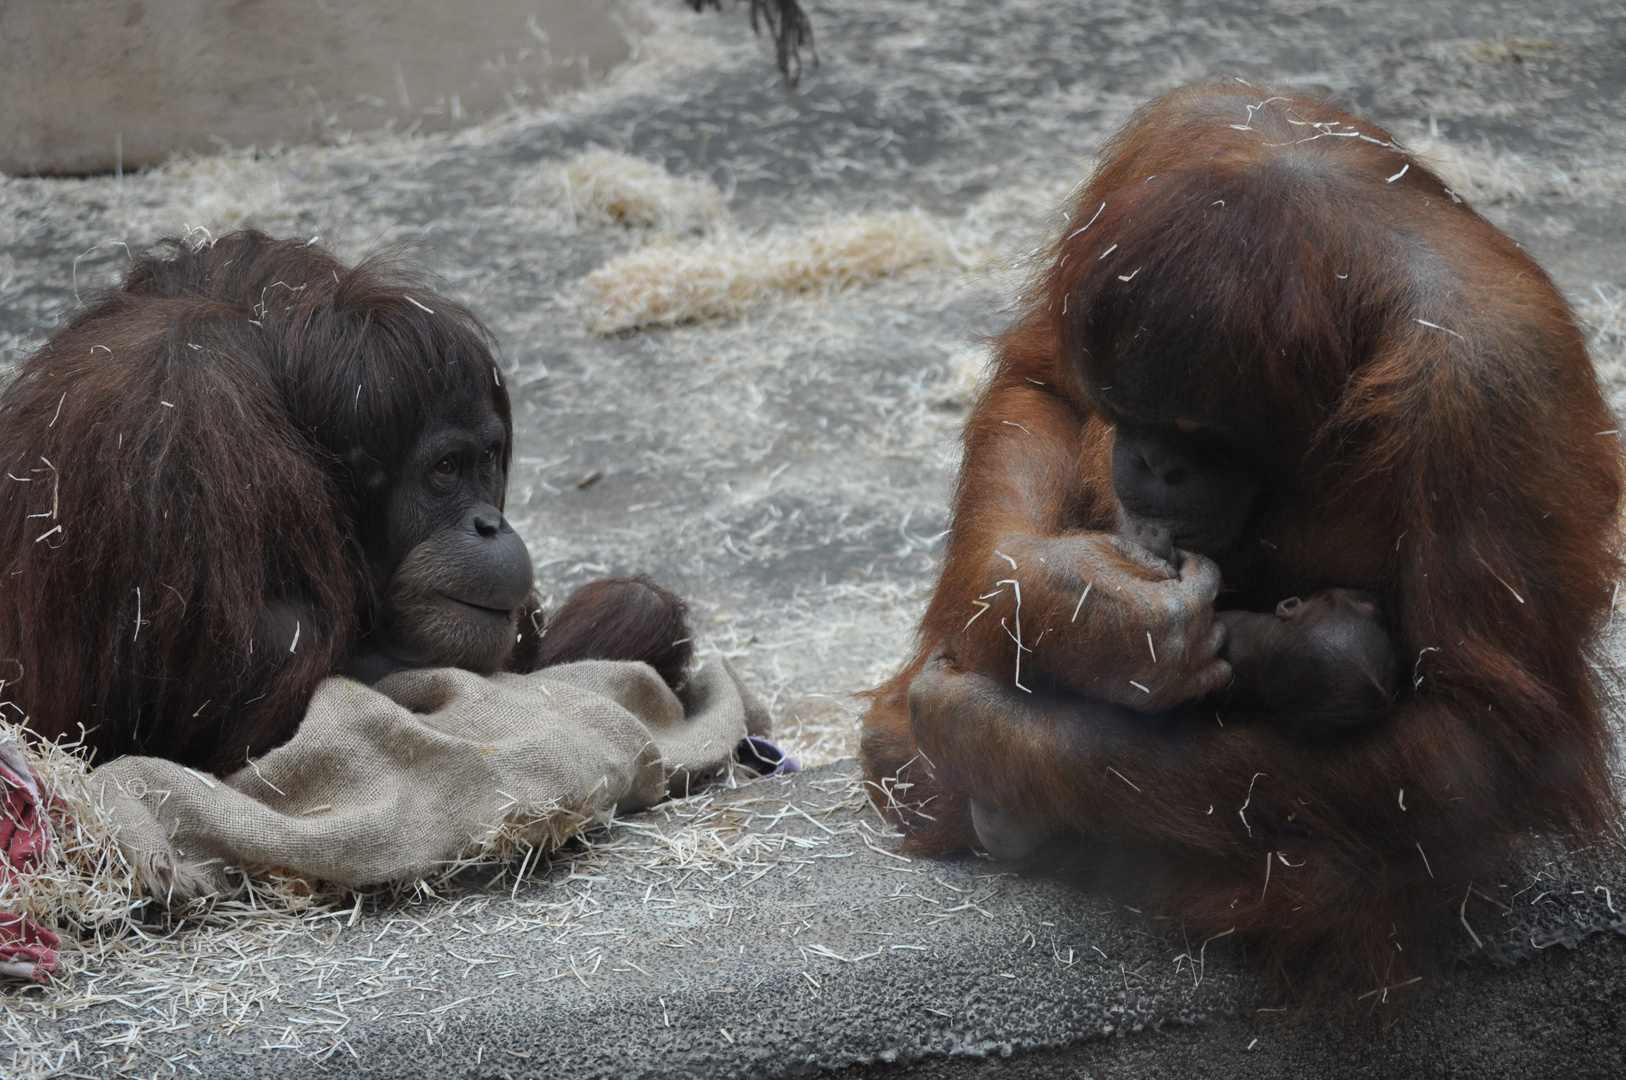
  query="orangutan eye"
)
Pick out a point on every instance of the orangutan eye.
point(489, 456)
point(445, 466)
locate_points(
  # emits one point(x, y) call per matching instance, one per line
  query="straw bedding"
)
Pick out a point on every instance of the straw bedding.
point(409, 786)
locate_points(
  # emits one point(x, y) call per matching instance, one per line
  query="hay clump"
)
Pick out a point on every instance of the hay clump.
point(1516, 50)
point(604, 187)
point(1482, 175)
point(82, 887)
point(969, 369)
point(1603, 315)
point(724, 275)
point(1486, 176)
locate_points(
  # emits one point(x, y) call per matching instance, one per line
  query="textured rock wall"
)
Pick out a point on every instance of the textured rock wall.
point(94, 85)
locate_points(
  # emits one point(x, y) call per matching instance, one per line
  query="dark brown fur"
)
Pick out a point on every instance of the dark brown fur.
point(620, 619)
point(1282, 278)
point(1323, 664)
point(193, 503)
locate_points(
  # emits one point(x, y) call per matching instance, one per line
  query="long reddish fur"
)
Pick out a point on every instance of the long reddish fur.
point(1466, 476)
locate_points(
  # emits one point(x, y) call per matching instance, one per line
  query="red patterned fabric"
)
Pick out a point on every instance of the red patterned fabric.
point(27, 950)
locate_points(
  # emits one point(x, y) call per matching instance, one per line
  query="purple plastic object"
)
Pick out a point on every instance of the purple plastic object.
point(764, 758)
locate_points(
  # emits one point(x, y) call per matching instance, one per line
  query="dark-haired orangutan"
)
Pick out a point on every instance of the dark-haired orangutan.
point(251, 467)
point(1270, 334)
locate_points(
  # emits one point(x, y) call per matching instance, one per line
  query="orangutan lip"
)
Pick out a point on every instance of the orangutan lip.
point(484, 612)
point(1202, 545)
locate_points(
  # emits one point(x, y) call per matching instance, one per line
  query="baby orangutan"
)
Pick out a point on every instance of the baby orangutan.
point(1321, 666)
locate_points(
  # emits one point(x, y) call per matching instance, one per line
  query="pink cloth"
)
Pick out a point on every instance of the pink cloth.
point(27, 950)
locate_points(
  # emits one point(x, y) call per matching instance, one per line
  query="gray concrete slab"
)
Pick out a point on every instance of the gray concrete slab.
point(789, 471)
point(796, 940)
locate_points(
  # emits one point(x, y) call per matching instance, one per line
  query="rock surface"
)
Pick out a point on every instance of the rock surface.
point(788, 937)
point(94, 85)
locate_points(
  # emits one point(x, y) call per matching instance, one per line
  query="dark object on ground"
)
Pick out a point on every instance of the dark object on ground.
point(763, 758)
point(1275, 278)
point(248, 468)
point(789, 27)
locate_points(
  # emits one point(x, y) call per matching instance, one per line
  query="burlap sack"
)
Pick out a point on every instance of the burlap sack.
point(393, 782)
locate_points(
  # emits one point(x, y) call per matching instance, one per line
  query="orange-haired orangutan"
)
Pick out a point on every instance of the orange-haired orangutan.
point(1272, 335)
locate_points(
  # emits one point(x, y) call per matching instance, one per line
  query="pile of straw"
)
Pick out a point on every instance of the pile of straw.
point(1603, 314)
point(603, 187)
point(724, 275)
